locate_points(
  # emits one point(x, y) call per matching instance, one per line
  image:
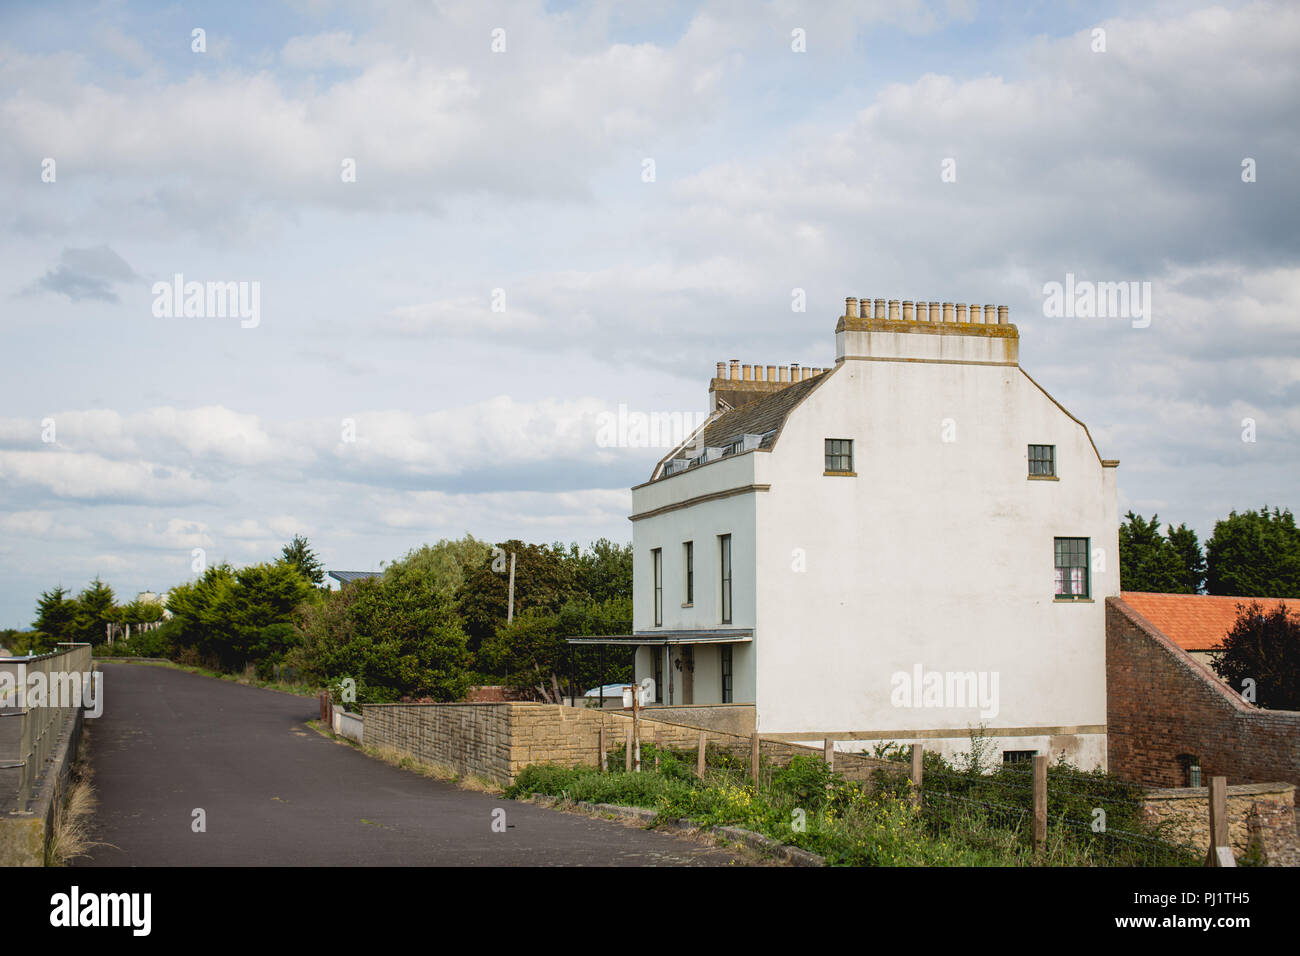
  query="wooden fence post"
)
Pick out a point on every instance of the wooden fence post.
point(1040, 802)
point(604, 759)
point(828, 752)
point(753, 758)
point(699, 757)
point(628, 768)
point(659, 743)
point(918, 752)
point(1220, 852)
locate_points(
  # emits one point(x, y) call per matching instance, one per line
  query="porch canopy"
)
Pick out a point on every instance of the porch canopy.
point(740, 635)
point(727, 636)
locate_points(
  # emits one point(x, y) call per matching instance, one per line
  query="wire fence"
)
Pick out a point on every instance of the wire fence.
point(1090, 816)
point(1080, 817)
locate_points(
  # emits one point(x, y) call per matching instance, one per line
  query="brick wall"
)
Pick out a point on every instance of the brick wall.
point(1161, 703)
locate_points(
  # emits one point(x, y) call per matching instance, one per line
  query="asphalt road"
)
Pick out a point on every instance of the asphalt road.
point(276, 793)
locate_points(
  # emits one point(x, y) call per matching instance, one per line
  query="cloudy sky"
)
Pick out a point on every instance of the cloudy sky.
point(436, 341)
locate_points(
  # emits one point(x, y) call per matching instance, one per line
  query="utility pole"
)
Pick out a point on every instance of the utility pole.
point(510, 609)
point(636, 728)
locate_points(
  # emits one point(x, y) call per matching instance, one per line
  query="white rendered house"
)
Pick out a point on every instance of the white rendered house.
point(913, 543)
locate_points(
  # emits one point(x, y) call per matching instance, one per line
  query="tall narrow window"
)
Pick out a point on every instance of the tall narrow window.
point(657, 558)
point(724, 549)
point(1071, 568)
point(726, 673)
point(1042, 461)
point(688, 559)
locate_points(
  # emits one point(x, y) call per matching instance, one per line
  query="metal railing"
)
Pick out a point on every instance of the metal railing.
point(30, 725)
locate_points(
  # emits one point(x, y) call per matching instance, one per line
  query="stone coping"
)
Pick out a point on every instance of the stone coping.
point(1236, 790)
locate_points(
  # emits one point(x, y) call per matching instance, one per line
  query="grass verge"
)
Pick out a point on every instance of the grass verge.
point(808, 806)
point(70, 836)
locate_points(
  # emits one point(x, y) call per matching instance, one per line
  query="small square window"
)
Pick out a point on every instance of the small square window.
point(1042, 461)
point(1191, 770)
point(1071, 568)
point(1018, 756)
point(839, 454)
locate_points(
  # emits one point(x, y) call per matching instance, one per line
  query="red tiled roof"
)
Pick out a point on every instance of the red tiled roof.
point(1195, 622)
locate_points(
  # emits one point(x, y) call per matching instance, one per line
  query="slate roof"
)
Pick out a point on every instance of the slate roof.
point(762, 417)
point(345, 577)
point(1195, 622)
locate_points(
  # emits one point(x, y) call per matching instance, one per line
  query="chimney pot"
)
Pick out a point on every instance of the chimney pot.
point(990, 315)
point(785, 373)
point(961, 312)
point(907, 310)
point(935, 314)
point(1003, 313)
point(851, 307)
point(771, 373)
point(735, 369)
point(880, 308)
point(893, 310)
point(748, 371)
point(722, 370)
point(947, 311)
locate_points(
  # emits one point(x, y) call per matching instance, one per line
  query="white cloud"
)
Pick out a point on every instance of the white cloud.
point(92, 476)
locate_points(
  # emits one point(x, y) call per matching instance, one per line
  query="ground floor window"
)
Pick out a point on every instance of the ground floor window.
point(1018, 756)
point(658, 654)
point(1071, 568)
point(1191, 770)
point(726, 674)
